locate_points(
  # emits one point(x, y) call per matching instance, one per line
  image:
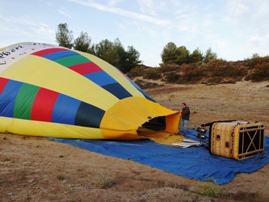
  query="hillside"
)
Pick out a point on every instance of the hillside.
point(213, 72)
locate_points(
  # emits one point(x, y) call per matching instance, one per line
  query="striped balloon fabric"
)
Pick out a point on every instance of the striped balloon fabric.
point(52, 91)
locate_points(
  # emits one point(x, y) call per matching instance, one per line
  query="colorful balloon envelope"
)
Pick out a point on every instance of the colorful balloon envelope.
point(52, 91)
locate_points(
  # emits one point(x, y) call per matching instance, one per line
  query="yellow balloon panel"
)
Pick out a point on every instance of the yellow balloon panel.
point(121, 135)
point(132, 113)
point(46, 129)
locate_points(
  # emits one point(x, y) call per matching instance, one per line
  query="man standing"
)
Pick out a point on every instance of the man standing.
point(185, 117)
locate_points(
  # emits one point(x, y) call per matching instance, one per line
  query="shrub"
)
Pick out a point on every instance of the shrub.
point(210, 189)
point(193, 72)
point(137, 71)
point(60, 177)
point(153, 73)
point(226, 70)
point(105, 181)
point(261, 72)
point(169, 68)
point(22, 175)
point(256, 60)
point(172, 77)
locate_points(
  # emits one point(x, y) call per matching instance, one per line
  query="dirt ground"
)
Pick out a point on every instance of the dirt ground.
point(37, 169)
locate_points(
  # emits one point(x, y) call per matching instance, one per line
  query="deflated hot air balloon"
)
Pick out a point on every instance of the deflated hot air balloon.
point(52, 91)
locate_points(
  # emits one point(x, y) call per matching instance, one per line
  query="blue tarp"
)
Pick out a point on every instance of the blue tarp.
point(193, 162)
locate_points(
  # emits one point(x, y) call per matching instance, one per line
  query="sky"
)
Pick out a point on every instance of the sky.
point(233, 29)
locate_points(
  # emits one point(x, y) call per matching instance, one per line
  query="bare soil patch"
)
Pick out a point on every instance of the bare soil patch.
point(37, 169)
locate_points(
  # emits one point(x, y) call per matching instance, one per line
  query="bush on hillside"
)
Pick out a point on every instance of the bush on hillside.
point(153, 73)
point(169, 68)
point(255, 61)
point(193, 72)
point(137, 71)
point(260, 73)
point(214, 72)
point(172, 77)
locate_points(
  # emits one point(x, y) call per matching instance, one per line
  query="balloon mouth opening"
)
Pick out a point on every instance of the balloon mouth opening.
point(155, 124)
point(156, 130)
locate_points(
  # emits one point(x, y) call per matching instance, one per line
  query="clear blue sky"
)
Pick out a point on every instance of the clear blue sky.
point(234, 29)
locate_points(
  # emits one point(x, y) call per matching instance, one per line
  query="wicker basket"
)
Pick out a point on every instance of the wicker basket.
point(236, 139)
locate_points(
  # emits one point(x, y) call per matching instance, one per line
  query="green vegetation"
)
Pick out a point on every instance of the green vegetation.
point(210, 189)
point(214, 72)
point(137, 71)
point(152, 73)
point(64, 36)
point(60, 177)
point(105, 181)
point(179, 65)
point(22, 175)
point(112, 52)
point(6, 159)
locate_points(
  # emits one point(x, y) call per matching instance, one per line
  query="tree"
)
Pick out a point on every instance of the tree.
point(209, 55)
point(169, 54)
point(182, 55)
point(82, 43)
point(104, 50)
point(132, 59)
point(64, 36)
point(255, 55)
point(121, 54)
point(195, 56)
point(115, 54)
